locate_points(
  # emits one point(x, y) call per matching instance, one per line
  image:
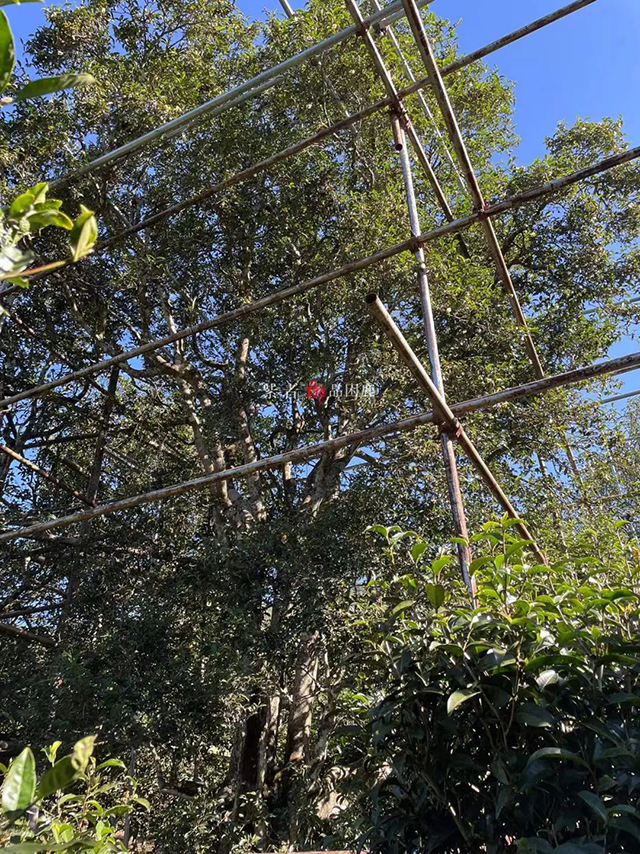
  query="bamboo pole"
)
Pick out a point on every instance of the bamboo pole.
point(343, 124)
point(421, 98)
point(609, 367)
point(398, 105)
point(460, 149)
point(45, 475)
point(447, 420)
point(515, 201)
point(237, 95)
point(448, 451)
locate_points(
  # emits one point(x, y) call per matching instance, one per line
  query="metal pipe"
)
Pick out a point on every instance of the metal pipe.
point(397, 103)
point(423, 101)
point(618, 397)
point(353, 266)
point(610, 367)
point(622, 304)
point(460, 149)
point(234, 96)
point(347, 122)
point(446, 418)
point(448, 452)
point(514, 36)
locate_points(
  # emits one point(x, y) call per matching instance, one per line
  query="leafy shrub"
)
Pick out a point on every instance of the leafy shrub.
point(511, 726)
point(75, 806)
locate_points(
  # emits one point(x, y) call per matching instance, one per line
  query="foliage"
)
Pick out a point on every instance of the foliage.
point(218, 634)
point(75, 806)
point(35, 88)
point(28, 214)
point(512, 724)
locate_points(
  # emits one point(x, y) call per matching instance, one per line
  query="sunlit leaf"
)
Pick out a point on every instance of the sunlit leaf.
point(19, 787)
point(49, 85)
point(459, 697)
point(7, 52)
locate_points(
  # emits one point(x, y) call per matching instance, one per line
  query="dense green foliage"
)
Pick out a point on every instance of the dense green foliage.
point(515, 721)
point(77, 805)
point(231, 637)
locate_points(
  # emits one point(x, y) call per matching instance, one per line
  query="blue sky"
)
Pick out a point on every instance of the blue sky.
point(586, 65)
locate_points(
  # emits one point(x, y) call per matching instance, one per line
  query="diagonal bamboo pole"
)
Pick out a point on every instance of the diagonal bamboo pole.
point(277, 297)
point(611, 366)
point(398, 105)
point(347, 122)
point(45, 475)
point(423, 101)
point(460, 149)
point(447, 420)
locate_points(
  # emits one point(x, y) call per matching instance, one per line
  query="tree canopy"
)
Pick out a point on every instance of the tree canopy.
point(241, 637)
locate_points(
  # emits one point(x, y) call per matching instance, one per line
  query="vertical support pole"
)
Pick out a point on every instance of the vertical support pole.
point(448, 451)
point(439, 90)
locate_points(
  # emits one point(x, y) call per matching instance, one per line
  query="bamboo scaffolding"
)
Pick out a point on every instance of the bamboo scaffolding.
point(609, 367)
point(448, 451)
point(343, 124)
point(401, 125)
point(451, 123)
point(238, 94)
point(447, 420)
point(515, 201)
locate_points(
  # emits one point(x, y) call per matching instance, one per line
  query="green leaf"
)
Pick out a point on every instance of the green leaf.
point(629, 826)
point(379, 529)
point(477, 562)
point(41, 219)
point(21, 204)
point(49, 85)
point(417, 551)
point(19, 786)
point(537, 716)
point(596, 804)
point(113, 763)
point(57, 777)
point(402, 606)
point(83, 234)
point(459, 697)
point(555, 753)
point(7, 52)
point(546, 678)
point(51, 751)
point(143, 802)
point(435, 594)
point(82, 751)
point(625, 699)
